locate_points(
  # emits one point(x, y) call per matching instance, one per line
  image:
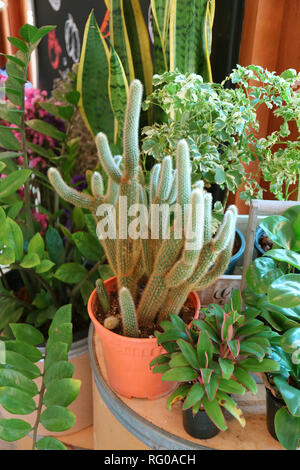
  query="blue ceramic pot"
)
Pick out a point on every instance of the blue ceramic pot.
point(235, 258)
point(259, 232)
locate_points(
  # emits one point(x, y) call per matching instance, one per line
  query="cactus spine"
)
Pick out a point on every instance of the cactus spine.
point(190, 259)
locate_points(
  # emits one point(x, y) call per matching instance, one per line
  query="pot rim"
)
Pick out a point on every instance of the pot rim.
point(127, 338)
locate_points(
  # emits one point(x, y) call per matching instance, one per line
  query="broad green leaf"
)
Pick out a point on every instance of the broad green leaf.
point(203, 326)
point(7, 256)
point(62, 392)
point(285, 291)
point(16, 401)
point(287, 429)
point(27, 31)
point(86, 290)
point(27, 333)
point(231, 386)
point(61, 333)
point(71, 273)
point(117, 89)
point(253, 365)
point(291, 395)
point(194, 395)
point(252, 349)
point(227, 367)
point(57, 418)
point(43, 31)
point(63, 315)
point(288, 256)
point(13, 378)
point(290, 340)
point(172, 334)
point(279, 230)
point(78, 218)
point(13, 182)
point(22, 364)
point(44, 266)
point(25, 349)
point(211, 387)
point(73, 97)
point(12, 115)
point(178, 394)
point(30, 261)
point(162, 359)
point(180, 374)
point(36, 245)
point(54, 245)
point(105, 272)
point(257, 275)
point(55, 353)
point(45, 128)
point(88, 245)
point(19, 44)
point(14, 238)
point(245, 379)
point(58, 370)
point(50, 443)
point(252, 327)
point(189, 353)
point(160, 369)
point(178, 360)
point(214, 412)
point(204, 349)
point(13, 429)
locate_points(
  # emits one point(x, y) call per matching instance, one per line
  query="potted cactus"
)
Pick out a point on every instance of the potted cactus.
point(155, 270)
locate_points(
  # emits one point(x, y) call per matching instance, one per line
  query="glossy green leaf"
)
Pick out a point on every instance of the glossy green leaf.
point(58, 370)
point(288, 256)
point(55, 353)
point(119, 37)
point(27, 31)
point(279, 230)
point(178, 360)
point(189, 353)
point(291, 395)
point(57, 418)
point(14, 378)
point(214, 412)
point(63, 315)
point(260, 274)
point(180, 374)
point(54, 245)
point(245, 379)
point(204, 349)
point(13, 182)
point(44, 127)
point(12, 115)
point(30, 261)
point(287, 429)
point(7, 256)
point(227, 367)
point(290, 340)
point(50, 443)
point(44, 266)
point(71, 273)
point(231, 386)
point(18, 43)
point(22, 364)
point(13, 429)
point(194, 395)
point(62, 392)
point(88, 245)
point(118, 89)
point(36, 245)
point(253, 365)
point(61, 333)
point(285, 291)
point(25, 349)
point(212, 386)
point(27, 333)
point(43, 31)
point(16, 401)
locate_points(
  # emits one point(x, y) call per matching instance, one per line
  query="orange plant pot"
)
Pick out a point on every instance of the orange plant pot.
point(127, 359)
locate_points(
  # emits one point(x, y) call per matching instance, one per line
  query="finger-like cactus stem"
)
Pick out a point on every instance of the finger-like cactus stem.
point(102, 296)
point(111, 323)
point(71, 195)
point(131, 129)
point(97, 185)
point(128, 312)
point(106, 159)
point(165, 180)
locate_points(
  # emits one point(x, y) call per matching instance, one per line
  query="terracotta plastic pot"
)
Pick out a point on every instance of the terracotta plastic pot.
point(127, 359)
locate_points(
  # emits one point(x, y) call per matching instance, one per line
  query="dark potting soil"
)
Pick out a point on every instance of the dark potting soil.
point(187, 314)
point(265, 242)
point(236, 245)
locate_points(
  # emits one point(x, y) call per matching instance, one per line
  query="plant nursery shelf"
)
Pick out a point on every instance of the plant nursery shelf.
point(152, 424)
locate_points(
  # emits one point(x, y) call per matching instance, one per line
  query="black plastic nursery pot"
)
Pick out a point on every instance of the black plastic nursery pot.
point(200, 425)
point(273, 404)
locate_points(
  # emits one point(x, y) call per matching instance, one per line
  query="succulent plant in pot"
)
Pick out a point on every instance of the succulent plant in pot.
point(154, 273)
point(213, 360)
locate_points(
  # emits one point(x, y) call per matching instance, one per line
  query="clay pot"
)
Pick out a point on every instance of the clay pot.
point(127, 359)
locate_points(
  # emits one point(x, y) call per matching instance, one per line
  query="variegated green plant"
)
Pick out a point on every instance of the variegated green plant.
point(214, 358)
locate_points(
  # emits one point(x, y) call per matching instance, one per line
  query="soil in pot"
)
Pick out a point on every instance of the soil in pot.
point(265, 242)
point(200, 425)
point(187, 314)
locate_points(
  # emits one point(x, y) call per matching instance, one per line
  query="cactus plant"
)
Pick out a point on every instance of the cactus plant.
point(189, 258)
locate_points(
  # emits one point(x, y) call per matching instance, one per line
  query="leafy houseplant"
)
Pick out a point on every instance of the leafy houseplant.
point(273, 291)
point(213, 359)
point(18, 387)
point(167, 266)
point(50, 264)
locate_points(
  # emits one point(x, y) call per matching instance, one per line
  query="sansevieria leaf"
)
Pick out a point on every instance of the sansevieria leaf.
point(92, 81)
point(118, 89)
point(119, 37)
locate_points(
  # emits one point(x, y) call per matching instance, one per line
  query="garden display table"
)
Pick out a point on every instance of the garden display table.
point(155, 427)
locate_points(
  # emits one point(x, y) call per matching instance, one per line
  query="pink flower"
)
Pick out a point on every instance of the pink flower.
point(42, 219)
point(34, 162)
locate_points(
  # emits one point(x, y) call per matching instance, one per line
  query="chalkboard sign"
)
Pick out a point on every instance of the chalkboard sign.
point(58, 52)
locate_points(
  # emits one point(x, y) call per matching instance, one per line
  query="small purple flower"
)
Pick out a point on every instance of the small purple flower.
point(79, 182)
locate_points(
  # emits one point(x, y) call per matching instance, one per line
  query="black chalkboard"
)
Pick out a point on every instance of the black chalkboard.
point(58, 52)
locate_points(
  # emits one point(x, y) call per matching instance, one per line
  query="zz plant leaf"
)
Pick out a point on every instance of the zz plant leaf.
point(19, 394)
